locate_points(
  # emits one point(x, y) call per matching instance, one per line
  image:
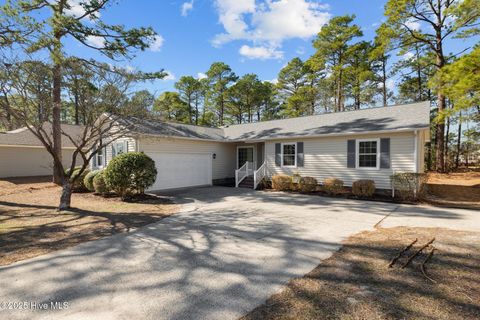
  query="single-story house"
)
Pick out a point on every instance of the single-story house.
point(22, 154)
point(362, 144)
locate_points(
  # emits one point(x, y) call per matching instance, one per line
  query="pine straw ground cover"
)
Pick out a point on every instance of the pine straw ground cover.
point(31, 226)
point(356, 282)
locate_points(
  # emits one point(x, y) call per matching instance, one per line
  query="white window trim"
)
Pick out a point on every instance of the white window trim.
point(281, 154)
point(357, 154)
point(103, 158)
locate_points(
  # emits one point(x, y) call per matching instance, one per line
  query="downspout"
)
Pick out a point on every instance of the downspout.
point(415, 156)
point(415, 153)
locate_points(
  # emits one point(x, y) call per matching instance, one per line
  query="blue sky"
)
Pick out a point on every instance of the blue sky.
point(251, 36)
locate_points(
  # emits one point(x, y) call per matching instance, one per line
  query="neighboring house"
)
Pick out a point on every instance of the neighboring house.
point(22, 154)
point(363, 144)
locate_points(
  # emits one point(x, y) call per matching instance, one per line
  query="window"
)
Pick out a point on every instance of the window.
point(118, 148)
point(289, 154)
point(100, 157)
point(368, 154)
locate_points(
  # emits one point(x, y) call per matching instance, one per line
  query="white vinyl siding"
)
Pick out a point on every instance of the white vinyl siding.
point(327, 157)
point(30, 161)
point(223, 166)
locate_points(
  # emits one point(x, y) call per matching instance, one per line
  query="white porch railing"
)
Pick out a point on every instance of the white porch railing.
point(241, 174)
point(258, 175)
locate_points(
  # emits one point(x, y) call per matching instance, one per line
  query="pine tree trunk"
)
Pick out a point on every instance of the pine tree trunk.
point(66, 196)
point(440, 137)
point(419, 75)
point(190, 111)
point(459, 141)
point(384, 80)
point(447, 133)
point(56, 124)
point(440, 62)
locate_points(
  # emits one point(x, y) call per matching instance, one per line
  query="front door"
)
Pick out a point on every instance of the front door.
point(244, 154)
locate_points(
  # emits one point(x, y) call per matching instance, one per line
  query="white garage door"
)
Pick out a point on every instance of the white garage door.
point(178, 170)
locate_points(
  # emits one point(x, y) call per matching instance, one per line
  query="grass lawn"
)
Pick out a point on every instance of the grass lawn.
point(356, 282)
point(31, 226)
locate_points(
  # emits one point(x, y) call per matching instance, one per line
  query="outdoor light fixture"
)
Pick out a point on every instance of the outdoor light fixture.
point(214, 156)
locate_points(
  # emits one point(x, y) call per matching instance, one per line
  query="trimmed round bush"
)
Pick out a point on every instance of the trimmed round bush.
point(88, 181)
point(131, 172)
point(363, 188)
point(78, 185)
point(307, 184)
point(99, 184)
point(281, 182)
point(332, 185)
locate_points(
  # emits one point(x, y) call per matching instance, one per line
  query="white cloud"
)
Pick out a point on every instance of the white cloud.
point(273, 81)
point(169, 77)
point(407, 55)
point(390, 84)
point(98, 42)
point(268, 23)
point(201, 75)
point(412, 24)
point(77, 10)
point(186, 8)
point(157, 43)
point(261, 53)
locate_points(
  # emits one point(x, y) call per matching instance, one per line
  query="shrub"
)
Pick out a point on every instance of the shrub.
point(78, 185)
point(307, 184)
point(88, 180)
point(99, 184)
point(281, 182)
point(332, 185)
point(363, 188)
point(408, 185)
point(131, 172)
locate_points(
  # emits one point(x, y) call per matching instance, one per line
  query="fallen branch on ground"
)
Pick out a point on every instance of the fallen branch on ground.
point(417, 253)
point(422, 267)
point(401, 252)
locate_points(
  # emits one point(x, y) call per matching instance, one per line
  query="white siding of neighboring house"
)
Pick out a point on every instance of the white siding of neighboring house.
point(30, 161)
point(223, 164)
point(327, 157)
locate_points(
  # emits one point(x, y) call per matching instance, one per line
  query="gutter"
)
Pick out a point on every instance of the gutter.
point(31, 146)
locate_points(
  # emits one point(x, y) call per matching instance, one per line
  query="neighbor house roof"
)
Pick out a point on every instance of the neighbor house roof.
point(384, 119)
point(23, 136)
point(171, 129)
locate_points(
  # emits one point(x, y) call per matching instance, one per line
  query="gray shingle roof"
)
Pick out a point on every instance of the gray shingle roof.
point(23, 136)
point(163, 128)
point(394, 118)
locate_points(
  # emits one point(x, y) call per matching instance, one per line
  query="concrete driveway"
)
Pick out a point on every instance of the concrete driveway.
point(224, 254)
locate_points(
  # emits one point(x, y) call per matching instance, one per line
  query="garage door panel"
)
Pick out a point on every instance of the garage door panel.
point(178, 170)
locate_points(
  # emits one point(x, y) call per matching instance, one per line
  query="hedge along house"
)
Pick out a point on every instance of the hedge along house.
point(362, 144)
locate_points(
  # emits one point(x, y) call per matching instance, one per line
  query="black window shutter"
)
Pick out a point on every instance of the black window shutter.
point(351, 156)
point(385, 153)
point(300, 154)
point(278, 154)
